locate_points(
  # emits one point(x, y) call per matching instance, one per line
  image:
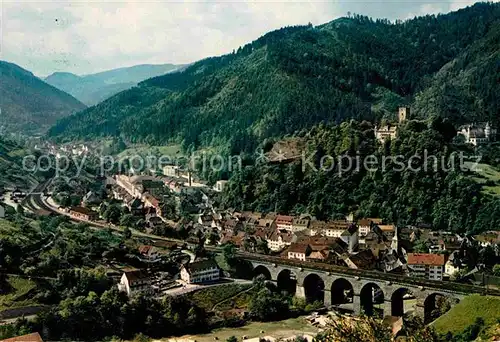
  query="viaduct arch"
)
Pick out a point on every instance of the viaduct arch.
point(357, 294)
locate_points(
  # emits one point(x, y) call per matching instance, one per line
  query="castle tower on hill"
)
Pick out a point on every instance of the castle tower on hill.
point(403, 114)
point(390, 131)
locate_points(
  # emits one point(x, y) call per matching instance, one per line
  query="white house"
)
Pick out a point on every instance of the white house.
point(200, 271)
point(450, 268)
point(351, 237)
point(220, 185)
point(299, 251)
point(284, 222)
point(365, 226)
point(171, 170)
point(278, 240)
point(135, 281)
point(300, 223)
point(429, 266)
point(478, 134)
point(333, 231)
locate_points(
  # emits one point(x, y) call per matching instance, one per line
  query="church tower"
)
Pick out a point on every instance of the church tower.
point(487, 131)
point(395, 240)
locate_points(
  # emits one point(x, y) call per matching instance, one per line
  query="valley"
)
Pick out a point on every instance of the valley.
point(336, 181)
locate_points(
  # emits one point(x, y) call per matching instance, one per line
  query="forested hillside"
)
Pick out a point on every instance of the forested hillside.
point(383, 181)
point(94, 88)
point(296, 77)
point(466, 89)
point(11, 172)
point(29, 105)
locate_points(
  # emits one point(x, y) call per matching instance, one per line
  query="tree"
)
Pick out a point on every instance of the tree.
point(458, 275)
point(229, 251)
point(232, 339)
point(496, 270)
point(127, 220)
point(141, 338)
point(487, 256)
point(420, 247)
point(112, 214)
point(267, 305)
point(20, 210)
point(348, 329)
point(127, 233)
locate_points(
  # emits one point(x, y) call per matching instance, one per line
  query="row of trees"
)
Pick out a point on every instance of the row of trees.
point(94, 317)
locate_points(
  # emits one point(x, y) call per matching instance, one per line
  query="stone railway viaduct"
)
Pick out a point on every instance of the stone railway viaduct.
point(357, 291)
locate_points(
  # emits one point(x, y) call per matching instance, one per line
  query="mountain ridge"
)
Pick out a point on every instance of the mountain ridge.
point(28, 104)
point(94, 88)
point(289, 80)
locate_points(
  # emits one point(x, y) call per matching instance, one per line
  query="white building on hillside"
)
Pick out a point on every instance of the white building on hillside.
point(133, 282)
point(478, 134)
point(200, 271)
point(220, 185)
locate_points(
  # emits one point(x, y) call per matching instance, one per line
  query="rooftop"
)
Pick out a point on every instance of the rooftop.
point(284, 219)
point(298, 248)
point(426, 259)
point(201, 265)
point(83, 210)
point(34, 337)
point(136, 275)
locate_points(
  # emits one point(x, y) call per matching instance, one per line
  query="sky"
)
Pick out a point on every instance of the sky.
point(89, 36)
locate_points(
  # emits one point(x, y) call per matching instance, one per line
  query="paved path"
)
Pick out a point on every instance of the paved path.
point(13, 320)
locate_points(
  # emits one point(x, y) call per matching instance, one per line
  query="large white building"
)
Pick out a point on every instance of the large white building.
point(200, 271)
point(478, 134)
point(429, 266)
point(284, 222)
point(172, 170)
point(136, 281)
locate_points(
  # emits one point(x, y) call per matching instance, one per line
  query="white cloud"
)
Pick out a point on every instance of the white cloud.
point(85, 37)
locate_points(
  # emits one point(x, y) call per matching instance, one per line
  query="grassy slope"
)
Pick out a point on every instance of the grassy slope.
point(207, 298)
point(16, 298)
point(487, 173)
point(465, 313)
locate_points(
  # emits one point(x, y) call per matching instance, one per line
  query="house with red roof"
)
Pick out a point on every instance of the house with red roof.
point(425, 265)
point(284, 222)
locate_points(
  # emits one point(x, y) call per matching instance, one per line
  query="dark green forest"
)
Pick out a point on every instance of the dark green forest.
point(296, 77)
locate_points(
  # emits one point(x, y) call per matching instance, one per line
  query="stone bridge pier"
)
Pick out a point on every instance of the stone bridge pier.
point(353, 293)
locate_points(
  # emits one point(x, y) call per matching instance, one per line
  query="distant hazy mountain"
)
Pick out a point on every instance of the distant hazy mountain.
point(94, 88)
point(28, 104)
